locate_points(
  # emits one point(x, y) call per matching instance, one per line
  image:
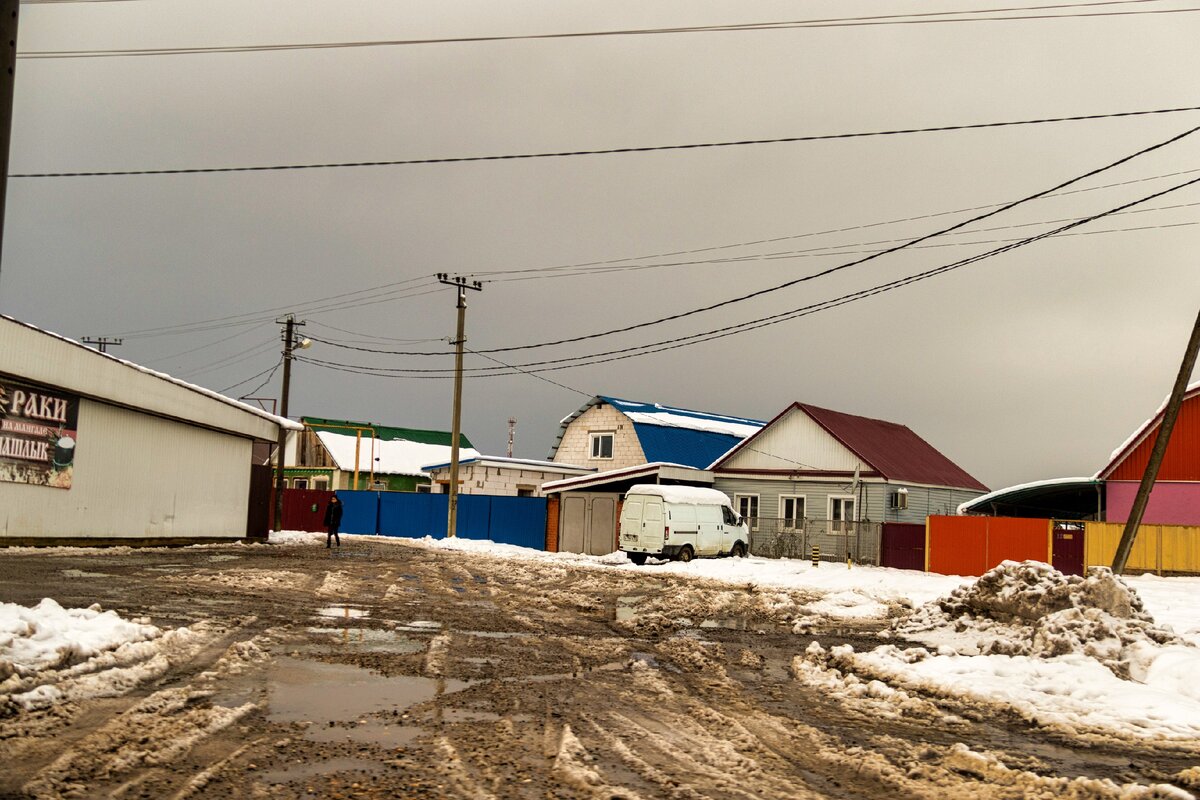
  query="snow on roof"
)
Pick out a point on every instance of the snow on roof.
point(286, 423)
point(1142, 430)
point(985, 498)
point(389, 457)
point(686, 495)
point(552, 466)
point(658, 414)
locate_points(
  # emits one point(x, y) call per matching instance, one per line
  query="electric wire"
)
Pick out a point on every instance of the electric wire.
point(605, 151)
point(742, 327)
point(830, 270)
point(532, 374)
point(925, 18)
point(808, 234)
point(205, 346)
point(271, 370)
point(230, 360)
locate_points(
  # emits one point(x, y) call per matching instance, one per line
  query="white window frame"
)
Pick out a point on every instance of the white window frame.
point(297, 481)
point(737, 506)
point(838, 526)
point(898, 500)
point(321, 483)
point(596, 436)
point(783, 517)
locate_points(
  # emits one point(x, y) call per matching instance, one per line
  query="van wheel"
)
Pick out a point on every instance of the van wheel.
point(637, 558)
point(685, 554)
point(738, 551)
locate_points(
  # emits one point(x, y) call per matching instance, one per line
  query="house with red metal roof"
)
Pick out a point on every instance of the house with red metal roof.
point(1108, 495)
point(812, 466)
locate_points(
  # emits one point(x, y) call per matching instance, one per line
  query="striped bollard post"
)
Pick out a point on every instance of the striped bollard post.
point(816, 555)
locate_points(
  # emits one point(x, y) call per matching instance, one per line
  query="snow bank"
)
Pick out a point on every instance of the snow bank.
point(48, 635)
point(50, 654)
point(1077, 654)
point(1032, 609)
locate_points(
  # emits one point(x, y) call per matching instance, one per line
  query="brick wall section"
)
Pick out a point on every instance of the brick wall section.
point(552, 524)
point(575, 447)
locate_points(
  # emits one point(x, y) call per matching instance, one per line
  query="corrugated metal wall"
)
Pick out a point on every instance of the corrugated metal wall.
point(1182, 460)
point(973, 545)
point(138, 476)
point(1157, 548)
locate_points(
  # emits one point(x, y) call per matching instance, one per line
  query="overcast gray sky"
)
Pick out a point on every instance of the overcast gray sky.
point(1031, 364)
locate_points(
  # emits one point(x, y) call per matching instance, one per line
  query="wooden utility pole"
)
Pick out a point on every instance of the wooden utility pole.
point(8, 43)
point(1170, 414)
point(462, 285)
point(289, 344)
point(102, 343)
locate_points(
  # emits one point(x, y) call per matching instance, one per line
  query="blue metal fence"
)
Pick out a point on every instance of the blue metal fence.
point(507, 520)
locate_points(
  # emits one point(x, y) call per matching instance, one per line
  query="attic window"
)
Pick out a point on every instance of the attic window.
point(602, 445)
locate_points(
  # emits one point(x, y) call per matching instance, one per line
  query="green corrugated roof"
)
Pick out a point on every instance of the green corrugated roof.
point(386, 433)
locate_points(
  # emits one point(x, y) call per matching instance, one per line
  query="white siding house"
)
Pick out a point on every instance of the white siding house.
point(136, 457)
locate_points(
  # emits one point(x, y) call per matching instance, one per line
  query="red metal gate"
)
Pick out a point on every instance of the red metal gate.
point(1068, 548)
point(304, 509)
point(902, 546)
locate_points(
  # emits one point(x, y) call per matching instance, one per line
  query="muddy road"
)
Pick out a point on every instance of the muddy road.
point(395, 670)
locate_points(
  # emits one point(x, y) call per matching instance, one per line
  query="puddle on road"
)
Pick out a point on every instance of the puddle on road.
point(340, 699)
point(419, 626)
point(169, 568)
point(493, 634)
point(627, 607)
point(611, 666)
point(346, 612)
point(296, 772)
point(78, 573)
point(365, 640)
point(223, 558)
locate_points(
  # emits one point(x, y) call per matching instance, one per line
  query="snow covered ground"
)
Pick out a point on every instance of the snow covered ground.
point(49, 653)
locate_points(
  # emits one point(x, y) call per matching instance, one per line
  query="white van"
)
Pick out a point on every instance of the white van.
point(680, 522)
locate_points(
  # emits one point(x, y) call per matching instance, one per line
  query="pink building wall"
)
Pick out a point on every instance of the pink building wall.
point(1170, 503)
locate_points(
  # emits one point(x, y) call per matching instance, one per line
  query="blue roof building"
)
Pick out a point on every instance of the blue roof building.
point(610, 433)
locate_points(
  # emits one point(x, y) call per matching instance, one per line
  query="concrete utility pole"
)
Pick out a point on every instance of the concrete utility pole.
point(289, 344)
point(512, 434)
point(8, 42)
point(102, 343)
point(462, 285)
point(1160, 449)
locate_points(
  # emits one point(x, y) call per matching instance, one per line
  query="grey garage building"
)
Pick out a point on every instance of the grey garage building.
point(95, 450)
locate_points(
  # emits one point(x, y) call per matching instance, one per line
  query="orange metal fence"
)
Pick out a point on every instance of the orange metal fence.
point(973, 545)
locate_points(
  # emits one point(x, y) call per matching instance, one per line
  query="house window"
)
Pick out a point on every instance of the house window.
point(841, 513)
point(300, 483)
point(602, 445)
point(791, 510)
point(747, 508)
point(899, 499)
point(321, 484)
point(424, 488)
point(525, 491)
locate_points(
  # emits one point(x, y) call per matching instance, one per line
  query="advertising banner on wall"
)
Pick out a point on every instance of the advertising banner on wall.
point(38, 434)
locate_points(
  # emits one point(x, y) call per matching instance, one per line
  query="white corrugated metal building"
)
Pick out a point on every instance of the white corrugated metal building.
point(98, 450)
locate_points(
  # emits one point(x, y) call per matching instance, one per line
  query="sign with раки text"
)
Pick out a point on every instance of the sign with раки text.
point(38, 434)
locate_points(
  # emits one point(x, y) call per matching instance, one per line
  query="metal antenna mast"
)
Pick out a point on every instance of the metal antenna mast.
point(512, 434)
point(462, 284)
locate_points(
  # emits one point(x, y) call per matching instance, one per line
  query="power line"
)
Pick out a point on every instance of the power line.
point(822, 273)
point(636, 351)
point(926, 18)
point(252, 317)
point(252, 377)
point(534, 375)
point(606, 151)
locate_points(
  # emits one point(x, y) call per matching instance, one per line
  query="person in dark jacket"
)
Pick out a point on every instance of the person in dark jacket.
point(333, 518)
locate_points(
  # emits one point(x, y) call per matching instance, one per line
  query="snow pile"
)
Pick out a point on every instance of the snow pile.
point(1032, 609)
point(49, 636)
point(1075, 654)
point(49, 653)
